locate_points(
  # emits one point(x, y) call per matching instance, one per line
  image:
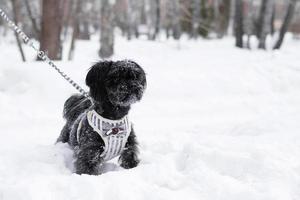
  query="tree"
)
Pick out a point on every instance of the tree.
point(106, 29)
point(34, 23)
point(238, 23)
point(68, 10)
point(206, 17)
point(76, 16)
point(157, 18)
point(174, 9)
point(82, 16)
point(196, 8)
point(16, 13)
point(249, 22)
point(222, 17)
point(133, 13)
point(153, 18)
point(287, 20)
point(265, 22)
point(51, 28)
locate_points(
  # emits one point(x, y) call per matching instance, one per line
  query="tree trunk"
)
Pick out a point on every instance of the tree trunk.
point(83, 20)
point(133, 14)
point(129, 17)
point(273, 20)
point(230, 29)
point(106, 30)
point(223, 18)
point(176, 24)
point(51, 29)
point(265, 20)
point(249, 22)
point(32, 19)
point(85, 33)
point(157, 17)
point(238, 23)
point(153, 18)
point(216, 15)
point(68, 10)
point(75, 27)
point(16, 12)
point(287, 20)
point(72, 47)
point(196, 8)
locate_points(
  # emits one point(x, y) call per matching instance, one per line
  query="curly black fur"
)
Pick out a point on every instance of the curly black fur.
point(114, 86)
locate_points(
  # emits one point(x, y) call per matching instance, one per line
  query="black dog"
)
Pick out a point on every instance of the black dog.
point(99, 129)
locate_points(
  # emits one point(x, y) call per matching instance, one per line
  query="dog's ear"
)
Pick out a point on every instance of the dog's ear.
point(97, 72)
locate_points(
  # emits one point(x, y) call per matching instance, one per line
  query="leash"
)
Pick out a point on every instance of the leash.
point(41, 54)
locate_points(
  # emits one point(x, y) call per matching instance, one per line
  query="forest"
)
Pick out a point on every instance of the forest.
point(51, 22)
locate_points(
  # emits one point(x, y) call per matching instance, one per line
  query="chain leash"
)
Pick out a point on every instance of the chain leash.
point(41, 54)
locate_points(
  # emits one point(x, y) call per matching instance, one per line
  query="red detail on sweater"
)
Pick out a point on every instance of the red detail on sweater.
point(115, 131)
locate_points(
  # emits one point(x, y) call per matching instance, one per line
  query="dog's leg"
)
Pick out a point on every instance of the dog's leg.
point(88, 160)
point(64, 134)
point(129, 158)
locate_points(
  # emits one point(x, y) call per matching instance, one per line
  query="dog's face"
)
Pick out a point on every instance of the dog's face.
point(122, 83)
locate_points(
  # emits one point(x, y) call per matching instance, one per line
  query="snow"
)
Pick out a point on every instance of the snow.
point(216, 122)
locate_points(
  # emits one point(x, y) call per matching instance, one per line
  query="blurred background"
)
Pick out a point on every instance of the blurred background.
point(53, 22)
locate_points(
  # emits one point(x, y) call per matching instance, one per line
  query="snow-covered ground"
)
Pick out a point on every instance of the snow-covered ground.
point(216, 123)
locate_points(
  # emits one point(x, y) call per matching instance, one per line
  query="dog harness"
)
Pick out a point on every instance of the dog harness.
point(114, 133)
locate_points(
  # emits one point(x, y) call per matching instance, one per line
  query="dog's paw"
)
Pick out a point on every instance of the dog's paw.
point(129, 162)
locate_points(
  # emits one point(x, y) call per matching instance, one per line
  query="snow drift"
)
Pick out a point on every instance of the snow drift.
point(215, 123)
